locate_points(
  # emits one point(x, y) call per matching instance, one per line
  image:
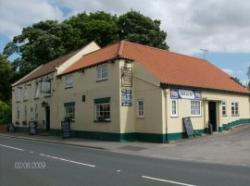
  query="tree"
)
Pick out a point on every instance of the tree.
point(47, 40)
point(138, 28)
point(5, 112)
point(5, 80)
point(237, 80)
point(248, 75)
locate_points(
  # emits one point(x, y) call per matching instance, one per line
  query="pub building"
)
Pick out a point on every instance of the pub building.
point(128, 91)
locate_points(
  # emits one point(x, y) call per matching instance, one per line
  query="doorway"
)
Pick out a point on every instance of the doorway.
point(47, 115)
point(213, 115)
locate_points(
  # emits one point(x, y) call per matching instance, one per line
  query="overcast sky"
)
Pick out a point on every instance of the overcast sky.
point(220, 26)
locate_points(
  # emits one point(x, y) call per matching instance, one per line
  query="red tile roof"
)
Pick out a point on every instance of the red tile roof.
point(170, 68)
point(46, 68)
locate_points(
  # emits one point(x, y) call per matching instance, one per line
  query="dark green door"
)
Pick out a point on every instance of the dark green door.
point(47, 110)
point(213, 115)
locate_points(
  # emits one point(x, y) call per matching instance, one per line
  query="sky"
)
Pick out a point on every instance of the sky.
point(221, 27)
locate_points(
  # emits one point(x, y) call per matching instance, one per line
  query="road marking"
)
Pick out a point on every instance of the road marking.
point(11, 147)
point(166, 181)
point(70, 161)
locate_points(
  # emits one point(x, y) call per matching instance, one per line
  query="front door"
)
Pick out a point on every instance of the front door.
point(47, 111)
point(213, 115)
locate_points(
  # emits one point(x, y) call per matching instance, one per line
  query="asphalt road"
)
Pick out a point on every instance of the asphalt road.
point(24, 163)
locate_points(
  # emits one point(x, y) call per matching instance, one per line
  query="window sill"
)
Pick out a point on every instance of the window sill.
point(68, 87)
point(47, 96)
point(140, 117)
point(196, 116)
point(175, 116)
point(25, 100)
point(235, 115)
point(36, 98)
point(102, 121)
point(101, 80)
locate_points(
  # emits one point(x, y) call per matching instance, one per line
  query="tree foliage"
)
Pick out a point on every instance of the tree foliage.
point(47, 40)
point(136, 27)
point(5, 113)
point(5, 80)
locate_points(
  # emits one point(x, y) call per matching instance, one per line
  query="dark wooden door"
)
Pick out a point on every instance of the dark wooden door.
point(213, 115)
point(47, 110)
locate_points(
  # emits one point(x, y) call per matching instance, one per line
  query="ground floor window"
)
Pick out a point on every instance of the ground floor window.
point(174, 107)
point(224, 108)
point(195, 108)
point(102, 109)
point(235, 108)
point(69, 110)
point(140, 108)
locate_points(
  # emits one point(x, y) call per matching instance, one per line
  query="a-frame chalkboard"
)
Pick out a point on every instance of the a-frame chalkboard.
point(188, 126)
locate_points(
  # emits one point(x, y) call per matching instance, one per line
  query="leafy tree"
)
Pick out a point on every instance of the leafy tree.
point(5, 112)
point(237, 80)
point(136, 27)
point(47, 40)
point(248, 75)
point(5, 80)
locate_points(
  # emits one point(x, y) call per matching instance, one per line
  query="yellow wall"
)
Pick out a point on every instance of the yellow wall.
point(174, 124)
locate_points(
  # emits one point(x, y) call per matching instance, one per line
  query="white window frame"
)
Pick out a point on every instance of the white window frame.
point(192, 109)
point(69, 81)
point(70, 107)
point(235, 109)
point(140, 112)
point(224, 108)
point(37, 90)
point(98, 111)
point(26, 92)
point(18, 94)
point(176, 114)
point(102, 72)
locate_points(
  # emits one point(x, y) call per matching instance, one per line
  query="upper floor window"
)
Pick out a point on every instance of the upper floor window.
point(46, 86)
point(26, 92)
point(37, 90)
point(174, 109)
point(68, 81)
point(18, 94)
point(224, 108)
point(235, 108)
point(195, 108)
point(102, 72)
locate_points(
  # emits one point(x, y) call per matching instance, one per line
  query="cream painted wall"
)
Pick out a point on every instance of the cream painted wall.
point(31, 102)
point(85, 83)
point(146, 87)
point(174, 124)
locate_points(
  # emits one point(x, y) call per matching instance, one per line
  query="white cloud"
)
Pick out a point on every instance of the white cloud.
point(219, 26)
point(16, 14)
point(228, 71)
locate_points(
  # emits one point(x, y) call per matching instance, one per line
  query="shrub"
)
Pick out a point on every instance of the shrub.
point(5, 113)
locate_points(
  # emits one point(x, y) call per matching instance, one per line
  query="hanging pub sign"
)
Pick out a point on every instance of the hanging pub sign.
point(185, 94)
point(126, 76)
point(126, 96)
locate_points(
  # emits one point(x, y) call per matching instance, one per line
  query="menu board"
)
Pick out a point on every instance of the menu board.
point(188, 126)
point(65, 129)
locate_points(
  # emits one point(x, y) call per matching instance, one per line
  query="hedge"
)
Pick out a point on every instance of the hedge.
point(5, 113)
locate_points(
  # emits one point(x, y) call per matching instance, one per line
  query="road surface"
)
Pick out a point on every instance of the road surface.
point(24, 162)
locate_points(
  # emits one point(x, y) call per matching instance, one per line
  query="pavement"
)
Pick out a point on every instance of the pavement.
point(231, 147)
point(31, 162)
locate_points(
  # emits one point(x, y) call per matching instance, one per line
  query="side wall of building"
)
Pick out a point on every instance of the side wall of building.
point(200, 123)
